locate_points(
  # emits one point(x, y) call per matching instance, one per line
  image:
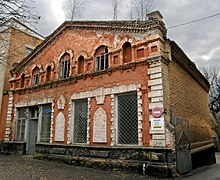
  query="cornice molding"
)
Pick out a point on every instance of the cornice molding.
point(115, 26)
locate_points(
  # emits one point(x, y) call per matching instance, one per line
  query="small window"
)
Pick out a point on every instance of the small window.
point(140, 53)
point(126, 52)
point(36, 76)
point(65, 66)
point(101, 58)
point(20, 124)
point(154, 49)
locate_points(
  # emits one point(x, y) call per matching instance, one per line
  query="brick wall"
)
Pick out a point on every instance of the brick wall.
point(190, 101)
point(14, 45)
point(17, 50)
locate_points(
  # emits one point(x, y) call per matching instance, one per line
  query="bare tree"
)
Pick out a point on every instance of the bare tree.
point(115, 5)
point(142, 7)
point(73, 8)
point(130, 7)
point(213, 76)
point(18, 9)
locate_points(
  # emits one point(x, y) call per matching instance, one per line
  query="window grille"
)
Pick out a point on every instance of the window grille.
point(64, 69)
point(80, 121)
point(102, 62)
point(45, 123)
point(127, 119)
point(21, 122)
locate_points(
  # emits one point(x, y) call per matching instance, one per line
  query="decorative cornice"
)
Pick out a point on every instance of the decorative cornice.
point(115, 26)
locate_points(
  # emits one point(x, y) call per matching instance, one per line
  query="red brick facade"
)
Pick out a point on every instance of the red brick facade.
point(96, 84)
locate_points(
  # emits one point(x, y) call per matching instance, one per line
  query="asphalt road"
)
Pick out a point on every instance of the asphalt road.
point(26, 168)
point(211, 172)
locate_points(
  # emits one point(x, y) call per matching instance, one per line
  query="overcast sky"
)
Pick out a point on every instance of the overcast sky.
point(200, 40)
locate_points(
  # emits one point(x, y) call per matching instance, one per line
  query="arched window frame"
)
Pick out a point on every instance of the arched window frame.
point(127, 55)
point(48, 73)
point(65, 66)
point(101, 58)
point(81, 64)
point(22, 80)
point(36, 76)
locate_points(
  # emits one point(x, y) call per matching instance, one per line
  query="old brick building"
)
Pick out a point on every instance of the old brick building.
point(111, 94)
point(16, 42)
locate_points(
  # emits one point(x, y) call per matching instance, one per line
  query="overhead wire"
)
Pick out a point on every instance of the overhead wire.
point(190, 22)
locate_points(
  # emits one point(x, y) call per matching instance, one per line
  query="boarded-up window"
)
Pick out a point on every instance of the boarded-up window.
point(127, 117)
point(126, 52)
point(140, 53)
point(80, 65)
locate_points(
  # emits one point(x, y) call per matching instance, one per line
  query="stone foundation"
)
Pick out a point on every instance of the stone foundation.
point(151, 161)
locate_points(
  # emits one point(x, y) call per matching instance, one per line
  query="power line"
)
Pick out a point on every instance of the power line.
point(190, 22)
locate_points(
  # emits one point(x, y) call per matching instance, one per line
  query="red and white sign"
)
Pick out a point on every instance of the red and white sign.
point(157, 112)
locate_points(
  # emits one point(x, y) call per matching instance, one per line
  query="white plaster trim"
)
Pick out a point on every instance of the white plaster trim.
point(105, 91)
point(33, 102)
point(9, 117)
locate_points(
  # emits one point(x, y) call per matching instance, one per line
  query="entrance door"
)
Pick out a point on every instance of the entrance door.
point(33, 124)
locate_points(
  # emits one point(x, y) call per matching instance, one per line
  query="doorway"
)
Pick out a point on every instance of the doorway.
point(33, 130)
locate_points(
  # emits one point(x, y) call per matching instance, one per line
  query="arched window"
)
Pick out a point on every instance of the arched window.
point(65, 66)
point(101, 58)
point(126, 52)
point(80, 65)
point(36, 76)
point(48, 75)
point(22, 81)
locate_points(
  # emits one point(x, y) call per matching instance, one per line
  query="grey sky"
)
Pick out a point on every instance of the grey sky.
point(200, 40)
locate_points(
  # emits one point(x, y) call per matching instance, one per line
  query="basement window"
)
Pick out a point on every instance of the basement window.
point(101, 58)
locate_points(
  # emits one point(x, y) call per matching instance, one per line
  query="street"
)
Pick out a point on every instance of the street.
point(211, 172)
point(25, 168)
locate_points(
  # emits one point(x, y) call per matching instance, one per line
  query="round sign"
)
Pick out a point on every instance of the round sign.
point(157, 112)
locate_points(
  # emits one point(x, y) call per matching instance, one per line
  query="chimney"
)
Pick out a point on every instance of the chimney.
point(155, 15)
